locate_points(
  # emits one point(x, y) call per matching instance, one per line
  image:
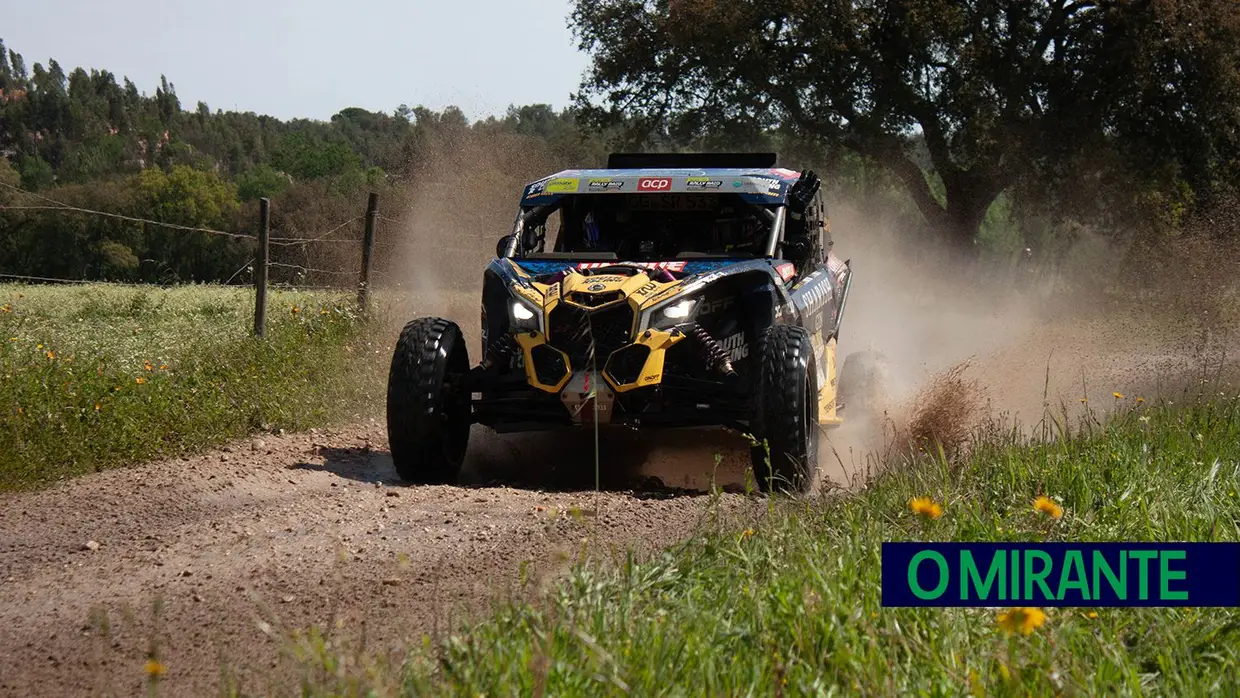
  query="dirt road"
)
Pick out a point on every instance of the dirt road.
point(210, 560)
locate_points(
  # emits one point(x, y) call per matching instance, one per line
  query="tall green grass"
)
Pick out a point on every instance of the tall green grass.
point(787, 601)
point(99, 375)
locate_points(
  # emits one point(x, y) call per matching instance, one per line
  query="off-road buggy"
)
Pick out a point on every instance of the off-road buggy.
point(679, 291)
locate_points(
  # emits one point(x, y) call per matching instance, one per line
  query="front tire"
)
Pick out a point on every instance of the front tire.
point(786, 411)
point(428, 406)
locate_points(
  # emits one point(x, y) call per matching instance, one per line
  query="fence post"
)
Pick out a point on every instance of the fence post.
point(260, 270)
point(368, 245)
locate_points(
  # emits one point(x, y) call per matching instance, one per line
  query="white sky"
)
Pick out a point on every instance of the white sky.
point(311, 58)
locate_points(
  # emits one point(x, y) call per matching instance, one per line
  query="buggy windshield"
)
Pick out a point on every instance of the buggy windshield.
point(649, 227)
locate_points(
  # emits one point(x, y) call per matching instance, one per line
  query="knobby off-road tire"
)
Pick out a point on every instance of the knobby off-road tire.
point(786, 411)
point(428, 406)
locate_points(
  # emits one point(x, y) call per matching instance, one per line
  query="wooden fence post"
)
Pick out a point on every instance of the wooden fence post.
point(368, 245)
point(260, 270)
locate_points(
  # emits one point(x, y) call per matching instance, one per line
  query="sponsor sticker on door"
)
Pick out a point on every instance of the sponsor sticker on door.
point(654, 184)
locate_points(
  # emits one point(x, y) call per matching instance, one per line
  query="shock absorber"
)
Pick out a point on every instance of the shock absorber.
point(716, 356)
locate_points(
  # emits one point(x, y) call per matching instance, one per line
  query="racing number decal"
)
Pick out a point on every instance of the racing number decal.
point(654, 184)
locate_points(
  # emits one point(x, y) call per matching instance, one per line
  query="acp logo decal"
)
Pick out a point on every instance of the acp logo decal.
point(654, 184)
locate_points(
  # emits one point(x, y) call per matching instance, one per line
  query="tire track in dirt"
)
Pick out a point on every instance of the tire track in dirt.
point(233, 548)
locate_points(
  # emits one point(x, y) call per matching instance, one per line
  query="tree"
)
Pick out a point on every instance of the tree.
point(989, 95)
point(261, 181)
point(306, 157)
point(188, 197)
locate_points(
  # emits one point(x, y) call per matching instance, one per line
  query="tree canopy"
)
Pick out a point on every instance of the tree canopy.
point(84, 139)
point(1065, 99)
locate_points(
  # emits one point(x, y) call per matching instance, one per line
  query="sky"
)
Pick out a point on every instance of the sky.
point(312, 58)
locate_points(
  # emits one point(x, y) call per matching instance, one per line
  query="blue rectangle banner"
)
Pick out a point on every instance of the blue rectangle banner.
point(1061, 574)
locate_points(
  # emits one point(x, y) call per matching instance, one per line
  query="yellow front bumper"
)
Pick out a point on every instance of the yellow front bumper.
point(635, 365)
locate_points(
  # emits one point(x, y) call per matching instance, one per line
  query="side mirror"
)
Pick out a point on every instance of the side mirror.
point(502, 246)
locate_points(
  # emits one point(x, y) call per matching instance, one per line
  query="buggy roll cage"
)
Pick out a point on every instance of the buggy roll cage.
point(537, 214)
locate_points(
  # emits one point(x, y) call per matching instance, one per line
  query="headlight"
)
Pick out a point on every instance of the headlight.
point(679, 311)
point(523, 315)
point(520, 312)
point(674, 313)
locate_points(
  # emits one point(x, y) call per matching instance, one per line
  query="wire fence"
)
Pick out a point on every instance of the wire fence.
point(263, 240)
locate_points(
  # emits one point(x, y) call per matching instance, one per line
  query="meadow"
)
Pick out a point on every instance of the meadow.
point(99, 375)
point(787, 601)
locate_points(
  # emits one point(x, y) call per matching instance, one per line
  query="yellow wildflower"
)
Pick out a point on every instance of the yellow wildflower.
point(1118, 395)
point(1022, 619)
point(155, 668)
point(39, 347)
point(98, 407)
point(1140, 400)
point(163, 367)
point(6, 308)
point(50, 354)
point(1092, 614)
point(924, 506)
point(296, 310)
point(147, 365)
point(140, 380)
point(1084, 400)
point(747, 533)
point(1047, 506)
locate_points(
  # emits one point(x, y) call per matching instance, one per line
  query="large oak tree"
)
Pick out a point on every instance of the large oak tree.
point(998, 93)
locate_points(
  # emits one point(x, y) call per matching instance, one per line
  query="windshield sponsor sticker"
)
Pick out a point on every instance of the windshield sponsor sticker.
point(654, 183)
point(538, 188)
point(703, 183)
point(606, 184)
point(670, 266)
point(773, 186)
point(562, 185)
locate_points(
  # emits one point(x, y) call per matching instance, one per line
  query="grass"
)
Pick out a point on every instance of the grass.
point(101, 375)
point(787, 601)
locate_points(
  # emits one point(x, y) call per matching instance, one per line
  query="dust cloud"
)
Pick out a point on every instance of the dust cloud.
point(1026, 343)
point(959, 348)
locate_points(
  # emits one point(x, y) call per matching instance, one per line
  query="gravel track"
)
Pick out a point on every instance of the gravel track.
point(213, 559)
